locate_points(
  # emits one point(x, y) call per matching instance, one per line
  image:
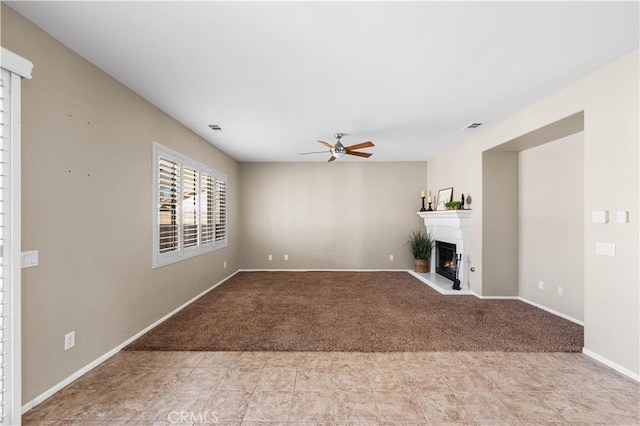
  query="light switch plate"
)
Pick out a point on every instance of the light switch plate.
point(599, 216)
point(29, 259)
point(622, 216)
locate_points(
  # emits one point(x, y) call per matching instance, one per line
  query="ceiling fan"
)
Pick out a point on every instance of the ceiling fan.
point(338, 150)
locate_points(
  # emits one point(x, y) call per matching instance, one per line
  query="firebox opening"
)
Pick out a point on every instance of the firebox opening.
point(446, 259)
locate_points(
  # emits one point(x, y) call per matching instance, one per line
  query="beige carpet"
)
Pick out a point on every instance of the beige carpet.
point(355, 311)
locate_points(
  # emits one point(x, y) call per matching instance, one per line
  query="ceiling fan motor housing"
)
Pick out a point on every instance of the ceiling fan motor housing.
point(338, 149)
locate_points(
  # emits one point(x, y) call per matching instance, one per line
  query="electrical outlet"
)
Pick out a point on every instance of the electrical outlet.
point(270, 257)
point(560, 291)
point(224, 264)
point(391, 257)
point(540, 285)
point(286, 257)
point(69, 340)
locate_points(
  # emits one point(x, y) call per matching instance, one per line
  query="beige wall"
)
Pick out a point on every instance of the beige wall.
point(329, 216)
point(610, 101)
point(552, 226)
point(500, 224)
point(87, 185)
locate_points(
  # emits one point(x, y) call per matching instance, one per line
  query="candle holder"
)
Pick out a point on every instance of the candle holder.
point(429, 209)
point(423, 209)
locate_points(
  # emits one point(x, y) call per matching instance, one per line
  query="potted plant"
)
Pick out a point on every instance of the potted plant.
point(421, 247)
point(453, 205)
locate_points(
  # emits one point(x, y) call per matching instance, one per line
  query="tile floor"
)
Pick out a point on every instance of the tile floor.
point(336, 388)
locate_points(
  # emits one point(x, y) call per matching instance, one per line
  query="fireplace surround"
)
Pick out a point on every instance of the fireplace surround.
point(451, 226)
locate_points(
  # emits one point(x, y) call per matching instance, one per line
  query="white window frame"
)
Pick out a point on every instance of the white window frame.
point(182, 252)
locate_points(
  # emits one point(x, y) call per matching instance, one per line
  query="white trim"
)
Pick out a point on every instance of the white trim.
point(456, 216)
point(93, 364)
point(496, 297)
point(15, 63)
point(318, 270)
point(552, 311)
point(620, 369)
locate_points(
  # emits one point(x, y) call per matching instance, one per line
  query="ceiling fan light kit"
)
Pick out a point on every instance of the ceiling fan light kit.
point(339, 150)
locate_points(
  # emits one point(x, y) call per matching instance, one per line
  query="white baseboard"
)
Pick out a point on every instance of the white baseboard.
point(554, 312)
point(93, 364)
point(323, 270)
point(620, 369)
point(496, 297)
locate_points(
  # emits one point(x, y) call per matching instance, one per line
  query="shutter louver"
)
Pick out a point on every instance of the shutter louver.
point(169, 207)
point(221, 209)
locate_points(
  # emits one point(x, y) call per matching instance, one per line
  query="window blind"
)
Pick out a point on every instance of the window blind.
point(4, 302)
point(190, 208)
point(14, 68)
point(207, 218)
point(168, 205)
point(190, 213)
point(221, 209)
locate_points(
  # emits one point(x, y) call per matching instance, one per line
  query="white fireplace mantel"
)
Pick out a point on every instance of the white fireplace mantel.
point(451, 226)
point(452, 218)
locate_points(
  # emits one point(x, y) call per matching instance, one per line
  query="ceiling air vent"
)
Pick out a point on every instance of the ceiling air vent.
point(215, 127)
point(473, 126)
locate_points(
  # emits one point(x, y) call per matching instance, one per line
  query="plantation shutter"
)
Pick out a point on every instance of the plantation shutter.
point(13, 69)
point(190, 206)
point(5, 305)
point(221, 209)
point(169, 205)
point(207, 217)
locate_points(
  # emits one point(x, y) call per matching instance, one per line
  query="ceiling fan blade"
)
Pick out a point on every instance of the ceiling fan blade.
point(359, 154)
point(314, 152)
point(331, 159)
point(327, 144)
point(366, 144)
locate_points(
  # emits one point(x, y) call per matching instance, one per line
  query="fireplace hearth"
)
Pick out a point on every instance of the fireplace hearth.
point(446, 259)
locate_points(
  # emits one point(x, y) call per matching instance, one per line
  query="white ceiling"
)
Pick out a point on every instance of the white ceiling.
point(278, 76)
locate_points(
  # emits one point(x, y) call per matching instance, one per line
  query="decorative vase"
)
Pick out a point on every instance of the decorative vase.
point(423, 266)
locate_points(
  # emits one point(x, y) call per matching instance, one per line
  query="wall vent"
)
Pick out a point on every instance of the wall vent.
point(215, 127)
point(473, 126)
